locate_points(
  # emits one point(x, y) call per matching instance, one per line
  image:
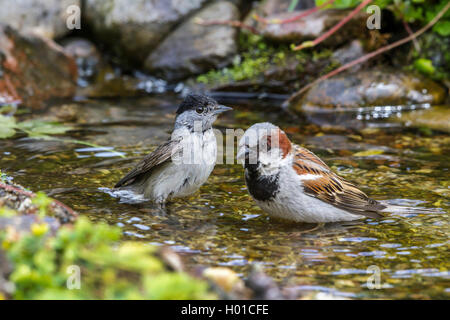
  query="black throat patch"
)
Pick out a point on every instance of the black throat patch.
point(262, 188)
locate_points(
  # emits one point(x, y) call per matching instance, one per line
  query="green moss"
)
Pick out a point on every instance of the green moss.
point(44, 264)
point(257, 56)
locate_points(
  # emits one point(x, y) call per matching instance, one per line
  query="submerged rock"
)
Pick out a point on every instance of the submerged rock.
point(376, 87)
point(33, 69)
point(436, 118)
point(134, 28)
point(46, 18)
point(193, 48)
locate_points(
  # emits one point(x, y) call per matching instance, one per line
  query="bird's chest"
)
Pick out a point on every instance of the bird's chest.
point(262, 187)
point(199, 158)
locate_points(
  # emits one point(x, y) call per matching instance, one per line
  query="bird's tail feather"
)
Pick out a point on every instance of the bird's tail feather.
point(407, 207)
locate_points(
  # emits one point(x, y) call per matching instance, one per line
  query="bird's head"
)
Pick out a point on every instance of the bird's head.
point(198, 112)
point(264, 147)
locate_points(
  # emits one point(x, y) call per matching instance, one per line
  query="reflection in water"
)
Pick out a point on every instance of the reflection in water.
point(221, 225)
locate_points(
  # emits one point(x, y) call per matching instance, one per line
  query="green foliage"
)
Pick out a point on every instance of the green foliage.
point(412, 11)
point(433, 59)
point(292, 5)
point(109, 269)
point(38, 129)
point(340, 4)
point(7, 126)
point(424, 66)
point(257, 56)
point(33, 128)
point(252, 62)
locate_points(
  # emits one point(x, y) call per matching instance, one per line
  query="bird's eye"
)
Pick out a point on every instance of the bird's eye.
point(200, 109)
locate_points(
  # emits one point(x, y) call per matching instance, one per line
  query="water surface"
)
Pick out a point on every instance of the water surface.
point(221, 226)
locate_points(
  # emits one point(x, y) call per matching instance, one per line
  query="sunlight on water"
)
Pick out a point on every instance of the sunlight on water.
point(220, 225)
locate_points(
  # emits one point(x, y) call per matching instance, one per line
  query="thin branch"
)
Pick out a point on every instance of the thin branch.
point(408, 29)
point(313, 43)
point(294, 18)
point(369, 55)
point(233, 23)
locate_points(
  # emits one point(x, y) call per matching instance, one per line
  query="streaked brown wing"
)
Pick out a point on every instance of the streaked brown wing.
point(331, 188)
point(306, 155)
point(161, 154)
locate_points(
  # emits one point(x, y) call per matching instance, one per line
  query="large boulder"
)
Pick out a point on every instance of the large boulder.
point(33, 69)
point(47, 18)
point(133, 28)
point(194, 48)
point(375, 87)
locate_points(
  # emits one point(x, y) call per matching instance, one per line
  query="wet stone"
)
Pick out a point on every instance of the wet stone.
point(376, 87)
point(45, 72)
point(193, 48)
point(47, 18)
point(133, 28)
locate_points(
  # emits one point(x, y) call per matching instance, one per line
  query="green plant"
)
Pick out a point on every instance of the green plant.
point(412, 11)
point(33, 128)
point(257, 56)
point(109, 269)
point(38, 129)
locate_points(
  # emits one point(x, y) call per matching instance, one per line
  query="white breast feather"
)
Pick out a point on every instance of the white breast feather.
point(292, 203)
point(181, 179)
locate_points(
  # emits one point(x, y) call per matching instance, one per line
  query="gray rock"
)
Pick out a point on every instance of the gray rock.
point(87, 57)
point(269, 7)
point(348, 53)
point(47, 18)
point(376, 87)
point(134, 28)
point(308, 27)
point(314, 25)
point(193, 48)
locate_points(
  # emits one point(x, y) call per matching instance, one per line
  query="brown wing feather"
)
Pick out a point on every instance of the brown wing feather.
point(333, 189)
point(161, 154)
point(305, 154)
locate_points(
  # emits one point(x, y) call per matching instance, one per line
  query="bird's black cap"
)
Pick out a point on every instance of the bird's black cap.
point(192, 101)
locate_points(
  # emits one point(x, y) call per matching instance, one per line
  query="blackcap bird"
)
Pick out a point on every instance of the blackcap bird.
point(178, 167)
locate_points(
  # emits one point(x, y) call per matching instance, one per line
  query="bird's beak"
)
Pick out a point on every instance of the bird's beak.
point(243, 157)
point(221, 108)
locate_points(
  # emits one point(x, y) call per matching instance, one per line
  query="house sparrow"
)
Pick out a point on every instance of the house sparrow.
point(290, 182)
point(178, 167)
